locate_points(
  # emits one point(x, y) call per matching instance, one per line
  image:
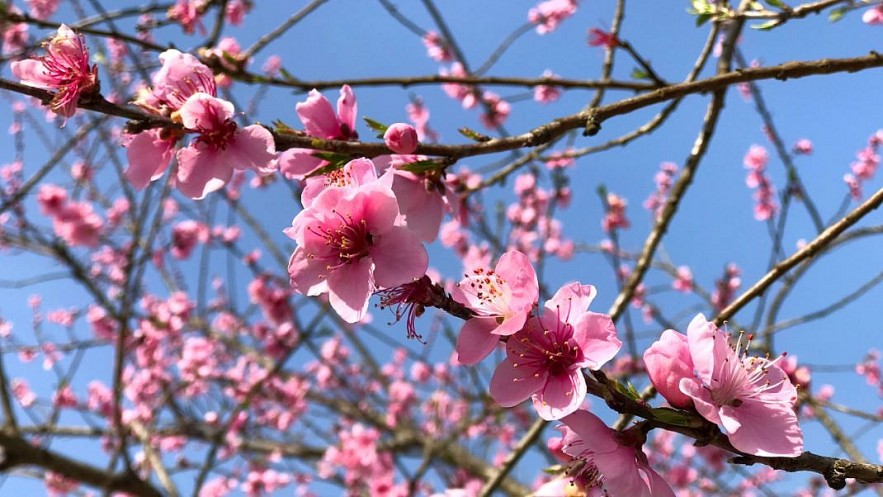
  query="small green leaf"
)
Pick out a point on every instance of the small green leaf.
point(280, 127)
point(638, 73)
point(474, 135)
point(675, 417)
point(837, 14)
point(287, 75)
point(628, 390)
point(702, 19)
point(777, 4)
point(377, 126)
point(766, 26)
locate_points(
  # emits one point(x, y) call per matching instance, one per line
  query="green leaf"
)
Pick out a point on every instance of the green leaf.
point(628, 390)
point(474, 135)
point(837, 14)
point(377, 126)
point(638, 73)
point(766, 26)
point(675, 417)
point(287, 75)
point(702, 19)
point(776, 3)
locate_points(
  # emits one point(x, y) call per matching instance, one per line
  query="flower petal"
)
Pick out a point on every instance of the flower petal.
point(399, 257)
point(763, 429)
point(476, 341)
point(201, 170)
point(349, 288)
point(512, 385)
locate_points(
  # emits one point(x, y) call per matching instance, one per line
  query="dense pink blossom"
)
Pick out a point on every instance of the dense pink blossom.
point(65, 69)
point(349, 245)
point(752, 397)
point(419, 115)
point(401, 138)
point(502, 299)
point(544, 360)
point(683, 282)
point(610, 460)
point(497, 112)
point(549, 13)
point(765, 195)
point(725, 288)
point(464, 93)
point(664, 179)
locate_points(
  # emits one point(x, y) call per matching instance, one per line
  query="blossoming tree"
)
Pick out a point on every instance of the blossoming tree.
point(218, 281)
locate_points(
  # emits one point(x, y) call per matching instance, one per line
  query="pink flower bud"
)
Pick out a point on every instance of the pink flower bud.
point(401, 138)
point(667, 361)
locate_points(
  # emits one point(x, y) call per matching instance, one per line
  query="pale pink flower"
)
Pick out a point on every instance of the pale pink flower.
point(419, 115)
point(873, 16)
point(349, 245)
point(208, 163)
point(684, 280)
point(501, 299)
point(436, 47)
point(189, 14)
point(42, 9)
point(615, 217)
point(751, 397)
point(65, 68)
point(236, 10)
point(498, 110)
point(319, 118)
point(15, 35)
point(181, 76)
point(803, 146)
point(544, 360)
point(547, 15)
point(611, 460)
point(546, 94)
point(401, 138)
point(185, 236)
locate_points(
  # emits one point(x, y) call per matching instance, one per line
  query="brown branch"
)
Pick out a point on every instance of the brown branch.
point(811, 249)
point(18, 452)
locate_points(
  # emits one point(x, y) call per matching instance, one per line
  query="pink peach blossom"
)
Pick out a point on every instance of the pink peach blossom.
point(611, 460)
point(65, 69)
point(548, 14)
point(501, 299)
point(751, 397)
point(349, 245)
point(208, 163)
point(544, 360)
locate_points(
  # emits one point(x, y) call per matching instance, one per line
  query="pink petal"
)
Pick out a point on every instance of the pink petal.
point(708, 347)
point(421, 211)
point(307, 274)
point(349, 288)
point(562, 395)
point(202, 110)
point(295, 163)
point(763, 429)
point(571, 301)
point(347, 108)
point(702, 400)
point(377, 205)
point(201, 170)
point(399, 258)
point(595, 435)
point(252, 148)
point(596, 336)
point(512, 385)
point(32, 72)
point(516, 269)
point(318, 116)
point(149, 157)
point(476, 341)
